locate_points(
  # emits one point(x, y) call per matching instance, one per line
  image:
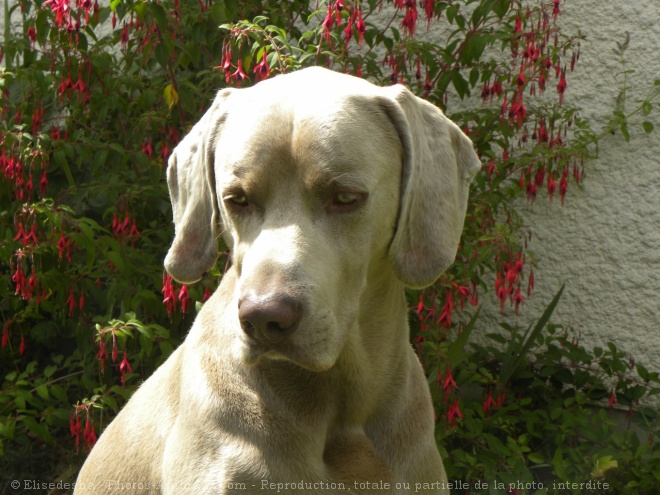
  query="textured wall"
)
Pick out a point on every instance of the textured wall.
point(605, 242)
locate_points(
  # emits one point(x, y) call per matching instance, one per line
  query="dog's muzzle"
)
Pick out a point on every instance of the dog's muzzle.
point(269, 319)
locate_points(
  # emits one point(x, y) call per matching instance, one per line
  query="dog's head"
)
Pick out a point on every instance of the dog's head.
point(323, 186)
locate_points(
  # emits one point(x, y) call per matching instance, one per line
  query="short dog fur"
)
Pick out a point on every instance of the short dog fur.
point(297, 375)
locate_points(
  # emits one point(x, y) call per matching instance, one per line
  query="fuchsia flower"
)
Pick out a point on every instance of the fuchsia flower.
point(262, 70)
point(61, 10)
point(555, 9)
point(409, 22)
point(124, 367)
point(238, 75)
point(169, 298)
point(71, 302)
point(184, 298)
point(328, 22)
point(453, 414)
point(361, 27)
point(552, 186)
point(561, 86)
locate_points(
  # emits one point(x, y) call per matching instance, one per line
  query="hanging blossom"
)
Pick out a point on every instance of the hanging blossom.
point(87, 435)
point(124, 367)
point(453, 414)
point(490, 403)
point(262, 69)
point(169, 298)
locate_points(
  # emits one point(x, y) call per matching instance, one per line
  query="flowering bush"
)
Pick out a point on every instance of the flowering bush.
point(94, 98)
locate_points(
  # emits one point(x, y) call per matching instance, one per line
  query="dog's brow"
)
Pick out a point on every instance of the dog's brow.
point(345, 181)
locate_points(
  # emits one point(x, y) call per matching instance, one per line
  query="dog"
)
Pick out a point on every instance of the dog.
point(297, 375)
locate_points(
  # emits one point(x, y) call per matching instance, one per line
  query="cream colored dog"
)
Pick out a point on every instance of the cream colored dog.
point(297, 375)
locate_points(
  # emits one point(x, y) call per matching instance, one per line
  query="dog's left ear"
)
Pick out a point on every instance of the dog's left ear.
point(439, 162)
point(191, 181)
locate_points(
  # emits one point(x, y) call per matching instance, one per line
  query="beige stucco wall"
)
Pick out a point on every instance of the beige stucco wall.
point(604, 244)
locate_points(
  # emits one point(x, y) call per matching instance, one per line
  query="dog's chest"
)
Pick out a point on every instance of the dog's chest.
point(250, 465)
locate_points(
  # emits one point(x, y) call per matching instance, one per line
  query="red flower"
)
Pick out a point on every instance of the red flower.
point(409, 22)
point(238, 74)
point(168, 292)
point(445, 316)
point(74, 427)
point(183, 297)
point(65, 85)
point(124, 367)
point(530, 283)
point(328, 22)
point(61, 244)
point(429, 9)
point(71, 302)
point(448, 383)
point(520, 81)
point(102, 355)
point(612, 400)
point(43, 183)
point(147, 149)
point(61, 9)
point(262, 70)
point(21, 347)
point(552, 186)
point(561, 86)
point(555, 9)
point(453, 414)
point(488, 403)
point(563, 188)
point(518, 299)
point(89, 435)
point(19, 279)
point(361, 27)
point(124, 38)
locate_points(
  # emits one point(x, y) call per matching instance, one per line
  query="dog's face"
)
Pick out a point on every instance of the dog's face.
point(311, 178)
point(308, 194)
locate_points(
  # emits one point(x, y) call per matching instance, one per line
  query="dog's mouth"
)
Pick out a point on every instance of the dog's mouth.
point(255, 353)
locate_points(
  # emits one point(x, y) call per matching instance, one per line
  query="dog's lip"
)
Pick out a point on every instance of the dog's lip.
point(254, 350)
point(254, 353)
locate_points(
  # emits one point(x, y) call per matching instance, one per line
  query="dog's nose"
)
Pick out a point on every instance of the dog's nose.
point(269, 319)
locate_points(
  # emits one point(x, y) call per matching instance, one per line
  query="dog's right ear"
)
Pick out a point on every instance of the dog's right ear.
point(191, 181)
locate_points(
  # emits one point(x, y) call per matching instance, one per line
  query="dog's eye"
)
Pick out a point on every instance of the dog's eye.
point(346, 201)
point(237, 200)
point(346, 198)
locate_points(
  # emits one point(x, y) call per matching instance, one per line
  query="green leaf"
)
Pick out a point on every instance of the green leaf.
point(451, 13)
point(474, 77)
point(48, 372)
point(602, 465)
point(648, 127)
point(460, 84)
point(624, 131)
point(117, 259)
point(647, 107)
point(42, 391)
point(162, 55)
point(515, 357)
point(456, 350)
point(62, 162)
